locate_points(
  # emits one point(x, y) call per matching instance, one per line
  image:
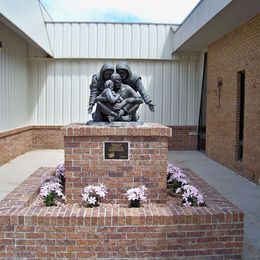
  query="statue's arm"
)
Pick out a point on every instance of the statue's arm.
point(100, 99)
point(107, 96)
point(140, 88)
point(134, 97)
point(112, 98)
point(93, 93)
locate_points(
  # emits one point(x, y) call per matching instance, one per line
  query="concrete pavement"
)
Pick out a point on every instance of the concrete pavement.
point(16, 171)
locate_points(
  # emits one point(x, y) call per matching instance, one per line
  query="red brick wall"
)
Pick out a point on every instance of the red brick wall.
point(147, 163)
point(18, 141)
point(14, 143)
point(47, 137)
point(153, 231)
point(234, 52)
point(183, 138)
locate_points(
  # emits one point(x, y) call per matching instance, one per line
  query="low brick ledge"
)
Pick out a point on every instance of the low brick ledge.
point(109, 231)
point(147, 129)
point(19, 130)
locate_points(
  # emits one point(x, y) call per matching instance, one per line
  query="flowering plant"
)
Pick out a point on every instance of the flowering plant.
point(92, 194)
point(59, 173)
point(46, 177)
point(51, 189)
point(191, 196)
point(175, 177)
point(136, 196)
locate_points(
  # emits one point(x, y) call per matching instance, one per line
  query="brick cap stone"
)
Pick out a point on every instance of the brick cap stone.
point(147, 129)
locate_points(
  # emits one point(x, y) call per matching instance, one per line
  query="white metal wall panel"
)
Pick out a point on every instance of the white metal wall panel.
point(67, 40)
point(60, 90)
point(92, 39)
point(144, 41)
point(136, 40)
point(111, 40)
point(83, 43)
point(118, 42)
point(153, 41)
point(101, 28)
point(75, 42)
point(58, 34)
point(191, 91)
point(183, 93)
point(127, 36)
point(14, 108)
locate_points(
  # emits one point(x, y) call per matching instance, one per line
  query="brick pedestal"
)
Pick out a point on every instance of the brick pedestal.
point(146, 164)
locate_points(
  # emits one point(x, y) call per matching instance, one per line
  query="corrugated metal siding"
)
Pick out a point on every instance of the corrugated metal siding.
point(60, 90)
point(111, 40)
point(14, 87)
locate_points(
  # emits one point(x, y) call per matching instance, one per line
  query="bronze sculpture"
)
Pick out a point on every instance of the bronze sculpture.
point(116, 95)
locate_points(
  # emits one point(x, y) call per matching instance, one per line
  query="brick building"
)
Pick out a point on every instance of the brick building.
point(233, 133)
point(229, 121)
point(203, 76)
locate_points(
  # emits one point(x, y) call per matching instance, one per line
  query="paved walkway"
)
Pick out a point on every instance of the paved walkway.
point(17, 170)
point(238, 190)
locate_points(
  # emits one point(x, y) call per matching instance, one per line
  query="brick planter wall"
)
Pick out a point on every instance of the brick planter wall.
point(147, 164)
point(153, 231)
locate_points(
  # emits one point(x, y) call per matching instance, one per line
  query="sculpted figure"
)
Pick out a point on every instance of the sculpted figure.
point(97, 84)
point(117, 102)
point(134, 81)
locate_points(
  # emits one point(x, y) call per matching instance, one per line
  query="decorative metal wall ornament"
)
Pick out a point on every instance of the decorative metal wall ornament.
point(255, 84)
point(219, 88)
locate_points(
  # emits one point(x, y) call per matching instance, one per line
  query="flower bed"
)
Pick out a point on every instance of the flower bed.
point(112, 231)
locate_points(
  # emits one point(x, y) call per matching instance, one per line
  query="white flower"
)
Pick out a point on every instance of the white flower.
point(60, 170)
point(187, 204)
point(191, 195)
point(178, 190)
point(51, 184)
point(175, 174)
point(92, 200)
point(85, 196)
point(137, 193)
point(200, 199)
point(91, 194)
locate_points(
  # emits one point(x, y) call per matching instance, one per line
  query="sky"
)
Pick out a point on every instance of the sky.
point(146, 11)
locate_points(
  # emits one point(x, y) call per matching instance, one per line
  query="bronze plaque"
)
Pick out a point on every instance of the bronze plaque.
point(116, 150)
